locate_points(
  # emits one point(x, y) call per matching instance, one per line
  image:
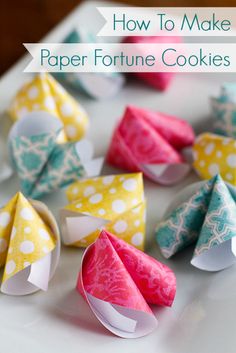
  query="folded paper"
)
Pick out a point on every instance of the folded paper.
point(44, 93)
point(113, 202)
point(157, 80)
point(29, 246)
point(118, 281)
point(152, 143)
point(215, 154)
point(224, 110)
point(204, 216)
point(44, 165)
point(96, 85)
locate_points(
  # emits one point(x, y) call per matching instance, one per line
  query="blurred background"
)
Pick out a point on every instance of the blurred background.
point(29, 20)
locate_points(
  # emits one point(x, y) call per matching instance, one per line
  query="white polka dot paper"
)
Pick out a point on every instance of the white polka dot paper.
point(29, 246)
point(214, 154)
point(113, 202)
point(44, 93)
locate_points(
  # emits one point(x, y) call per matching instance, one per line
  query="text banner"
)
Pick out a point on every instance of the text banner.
point(150, 21)
point(120, 57)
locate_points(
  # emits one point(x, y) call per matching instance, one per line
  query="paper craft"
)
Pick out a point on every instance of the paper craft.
point(215, 154)
point(157, 80)
point(118, 281)
point(96, 85)
point(113, 202)
point(29, 246)
point(205, 216)
point(152, 143)
point(44, 165)
point(224, 110)
point(44, 93)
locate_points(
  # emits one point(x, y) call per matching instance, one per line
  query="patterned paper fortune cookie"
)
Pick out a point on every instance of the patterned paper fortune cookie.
point(118, 281)
point(204, 213)
point(152, 143)
point(215, 154)
point(96, 85)
point(157, 80)
point(44, 93)
point(29, 246)
point(43, 165)
point(115, 202)
point(224, 110)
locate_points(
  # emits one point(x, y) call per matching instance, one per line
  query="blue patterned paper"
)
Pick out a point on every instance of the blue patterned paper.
point(62, 168)
point(75, 79)
point(220, 220)
point(43, 165)
point(224, 111)
point(208, 218)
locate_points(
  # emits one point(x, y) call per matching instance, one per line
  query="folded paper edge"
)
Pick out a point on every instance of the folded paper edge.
point(80, 287)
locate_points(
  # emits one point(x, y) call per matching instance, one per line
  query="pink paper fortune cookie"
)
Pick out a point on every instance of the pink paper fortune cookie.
point(118, 281)
point(151, 143)
point(158, 80)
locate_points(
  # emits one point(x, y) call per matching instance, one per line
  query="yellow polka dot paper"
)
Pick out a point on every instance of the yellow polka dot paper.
point(44, 93)
point(114, 202)
point(214, 154)
point(29, 246)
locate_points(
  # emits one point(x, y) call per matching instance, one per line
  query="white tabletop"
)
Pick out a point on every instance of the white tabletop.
point(202, 317)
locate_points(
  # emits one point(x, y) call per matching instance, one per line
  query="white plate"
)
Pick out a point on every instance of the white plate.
point(203, 316)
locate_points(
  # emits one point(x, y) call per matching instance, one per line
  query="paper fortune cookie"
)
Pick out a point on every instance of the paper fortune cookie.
point(96, 85)
point(157, 80)
point(29, 246)
point(215, 154)
point(119, 281)
point(42, 164)
point(114, 202)
point(224, 110)
point(151, 142)
point(44, 93)
point(204, 214)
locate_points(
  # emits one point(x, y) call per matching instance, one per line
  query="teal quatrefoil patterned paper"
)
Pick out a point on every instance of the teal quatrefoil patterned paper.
point(96, 85)
point(224, 111)
point(208, 219)
point(42, 164)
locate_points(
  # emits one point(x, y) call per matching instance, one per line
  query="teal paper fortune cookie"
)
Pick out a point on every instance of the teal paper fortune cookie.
point(206, 216)
point(42, 163)
point(96, 85)
point(224, 111)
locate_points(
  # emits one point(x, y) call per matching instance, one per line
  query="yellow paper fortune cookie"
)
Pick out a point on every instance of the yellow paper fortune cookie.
point(44, 93)
point(113, 202)
point(29, 246)
point(214, 154)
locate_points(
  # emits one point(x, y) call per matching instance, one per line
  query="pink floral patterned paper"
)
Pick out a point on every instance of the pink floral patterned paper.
point(145, 138)
point(121, 275)
point(157, 80)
